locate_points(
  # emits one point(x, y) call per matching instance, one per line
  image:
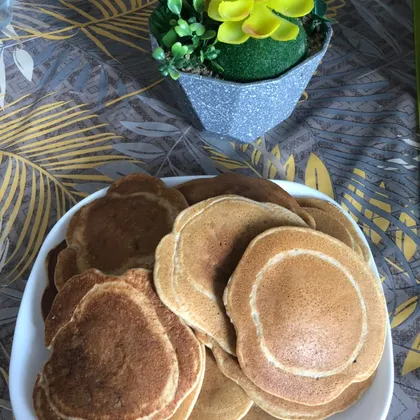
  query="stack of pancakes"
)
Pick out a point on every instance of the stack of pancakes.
point(277, 289)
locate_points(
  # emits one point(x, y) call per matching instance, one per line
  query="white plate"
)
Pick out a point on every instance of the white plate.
point(29, 353)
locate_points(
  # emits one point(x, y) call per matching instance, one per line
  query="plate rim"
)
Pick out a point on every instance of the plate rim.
point(17, 398)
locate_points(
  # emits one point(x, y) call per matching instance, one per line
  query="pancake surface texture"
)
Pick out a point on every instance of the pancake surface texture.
point(279, 407)
point(257, 189)
point(220, 398)
point(310, 317)
point(129, 355)
point(194, 262)
point(120, 230)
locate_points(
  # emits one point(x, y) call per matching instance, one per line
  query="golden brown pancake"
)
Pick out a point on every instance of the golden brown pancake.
point(257, 189)
point(42, 407)
point(256, 413)
point(279, 407)
point(181, 337)
point(113, 359)
point(300, 343)
point(184, 410)
point(329, 225)
point(194, 262)
point(120, 230)
point(339, 215)
point(220, 398)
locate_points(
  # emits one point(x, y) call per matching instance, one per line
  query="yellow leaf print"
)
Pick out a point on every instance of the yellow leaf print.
point(404, 311)
point(352, 198)
point(290, 168)
point(317, 176)
point(271, 168)
point(379, 221)
point(117, 20)
point(42, 146)
point(256, 154)
point(412, 361)
point(404, 242)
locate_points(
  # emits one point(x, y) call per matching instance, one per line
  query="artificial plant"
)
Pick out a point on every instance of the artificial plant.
point(241, 40)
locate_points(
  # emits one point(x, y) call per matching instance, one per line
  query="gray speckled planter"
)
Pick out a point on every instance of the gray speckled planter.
point(242, 111)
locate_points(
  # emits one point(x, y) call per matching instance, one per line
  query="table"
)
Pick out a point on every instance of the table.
point(82, 104)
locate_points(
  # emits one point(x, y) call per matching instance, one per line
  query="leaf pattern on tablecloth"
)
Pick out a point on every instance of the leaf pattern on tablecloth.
point(72, 119)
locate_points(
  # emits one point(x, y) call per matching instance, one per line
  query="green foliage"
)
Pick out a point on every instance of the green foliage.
point(186, 36)
point(319, 14)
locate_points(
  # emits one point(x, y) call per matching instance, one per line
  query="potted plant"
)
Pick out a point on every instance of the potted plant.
point(237, 68)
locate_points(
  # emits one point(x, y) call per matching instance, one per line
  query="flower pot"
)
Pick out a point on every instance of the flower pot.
point(243, 111)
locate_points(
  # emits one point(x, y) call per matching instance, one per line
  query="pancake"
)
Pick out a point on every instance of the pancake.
point(275, 407)
point(184, 410)
point(42, 407)
point(101, 358)
point(256, 413)
point(338, 213)
point(257, 189)
point(120, 230)
point(187, 348)
point(329, 225)
point(308, 340)
point(193, 287)
point(220, 398)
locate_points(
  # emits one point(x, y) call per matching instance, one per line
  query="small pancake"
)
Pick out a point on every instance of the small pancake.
point(184, 410)
point(120, 230)
point(305, 344)
point(220, 398)
point(257, 189)
point(193, 287)
point(329, 225)
point(275, 407)
point(187, 348)
point(338, 213)
point(113, 359)
point(42, 407)
point(256, 413)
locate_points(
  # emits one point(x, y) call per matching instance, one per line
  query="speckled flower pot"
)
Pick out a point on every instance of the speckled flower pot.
point(243, 111)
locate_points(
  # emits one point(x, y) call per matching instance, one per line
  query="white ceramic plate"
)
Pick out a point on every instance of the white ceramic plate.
point(29, 353)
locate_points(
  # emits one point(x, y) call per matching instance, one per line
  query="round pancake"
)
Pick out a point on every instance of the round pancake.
point(120, 230)
point(101, 358)
point(42, 407)
point(275, 407)
point(185, 343)
point(220, 398)
point(184, 410)
point(193, 287)
point(339, 215)
point(257, 189)
point(252, 298)
point(330, 225)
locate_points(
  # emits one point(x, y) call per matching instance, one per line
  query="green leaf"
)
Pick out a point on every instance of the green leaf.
point(173, 22)
point(170, 38)
point(202, 56)
point(159, 54)
point(175, 6)
point(198, 28)
point(320, 8)
point(190, 48)
point(183, 29)
point(199, 5)
point(174, 73)
point(209, 34)
point(192, 19)
point(179, 50)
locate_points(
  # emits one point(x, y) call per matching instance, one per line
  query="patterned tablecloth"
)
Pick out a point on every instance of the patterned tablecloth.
point(82, 104)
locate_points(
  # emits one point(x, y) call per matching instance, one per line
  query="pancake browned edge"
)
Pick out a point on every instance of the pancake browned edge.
point(337, 212)
point(220, 398)
point(120, 230)
point(186, 350)
point(257, 189)
point(311, 372)
point(193, 287)
point(279, 407)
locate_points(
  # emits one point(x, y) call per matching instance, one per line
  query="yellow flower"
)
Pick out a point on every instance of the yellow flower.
point(255, 18)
